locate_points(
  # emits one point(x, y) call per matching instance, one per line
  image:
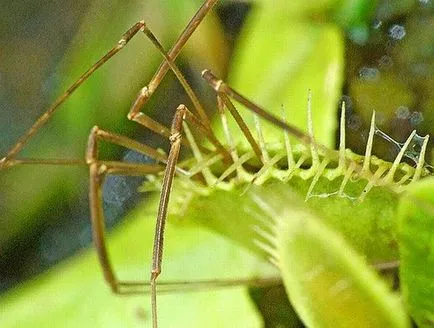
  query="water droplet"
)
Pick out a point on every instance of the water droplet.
point(369, 73)
point(416, 118)
point(402, 112)
point(397, 32)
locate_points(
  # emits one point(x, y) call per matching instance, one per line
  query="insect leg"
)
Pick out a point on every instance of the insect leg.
point(98, 171)
point(143, 96)
point(60, 100)
point(221, 87)
point(175, 146)
point(243, 126)
point(147, 91)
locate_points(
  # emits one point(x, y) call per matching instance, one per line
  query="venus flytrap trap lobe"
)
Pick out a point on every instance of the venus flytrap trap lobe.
point(322, 272)
point(228, 170)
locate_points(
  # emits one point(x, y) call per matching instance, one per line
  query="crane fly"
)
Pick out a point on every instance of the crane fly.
point(216, 163)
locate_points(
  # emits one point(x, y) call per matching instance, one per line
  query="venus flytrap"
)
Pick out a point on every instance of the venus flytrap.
point(323, 248)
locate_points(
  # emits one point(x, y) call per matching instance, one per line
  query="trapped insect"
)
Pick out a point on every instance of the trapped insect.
point(220, 164)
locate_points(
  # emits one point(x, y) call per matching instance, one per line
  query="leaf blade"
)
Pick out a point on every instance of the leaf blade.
point(416, 226)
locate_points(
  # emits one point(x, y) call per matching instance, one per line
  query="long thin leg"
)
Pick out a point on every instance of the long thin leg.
point(148, 90)
point(98, 171)
point(191, 118)
point(44, 161)
point(175, 141)
point(221, 87)
point(143, 96)
point(183, 38)
point(99, 134)
point(49, 112)
point(97, 175)
point(204, 122)
point(243, 126)
point(163, 131)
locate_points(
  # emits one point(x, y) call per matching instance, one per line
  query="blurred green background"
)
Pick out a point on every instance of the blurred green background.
point(45, 46)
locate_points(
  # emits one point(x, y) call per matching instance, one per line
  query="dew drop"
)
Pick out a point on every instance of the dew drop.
point(369, 73)
point(397, 32)
point(416, 118)
point(359, 35)
point(402, 112)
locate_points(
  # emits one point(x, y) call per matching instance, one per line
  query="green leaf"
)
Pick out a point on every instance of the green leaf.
point(329, 284)
point(278, 71)
point(353, 13)
point(73, 294)
point(416, 245)
point(298, 7)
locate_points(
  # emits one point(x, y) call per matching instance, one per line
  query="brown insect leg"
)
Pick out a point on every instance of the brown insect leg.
point(49, 112)
point(204, 120)
point(175, 141)
point(147, 91)
point(98, 171)
point(143, 96)
point(221, 87)
point(243, 126)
